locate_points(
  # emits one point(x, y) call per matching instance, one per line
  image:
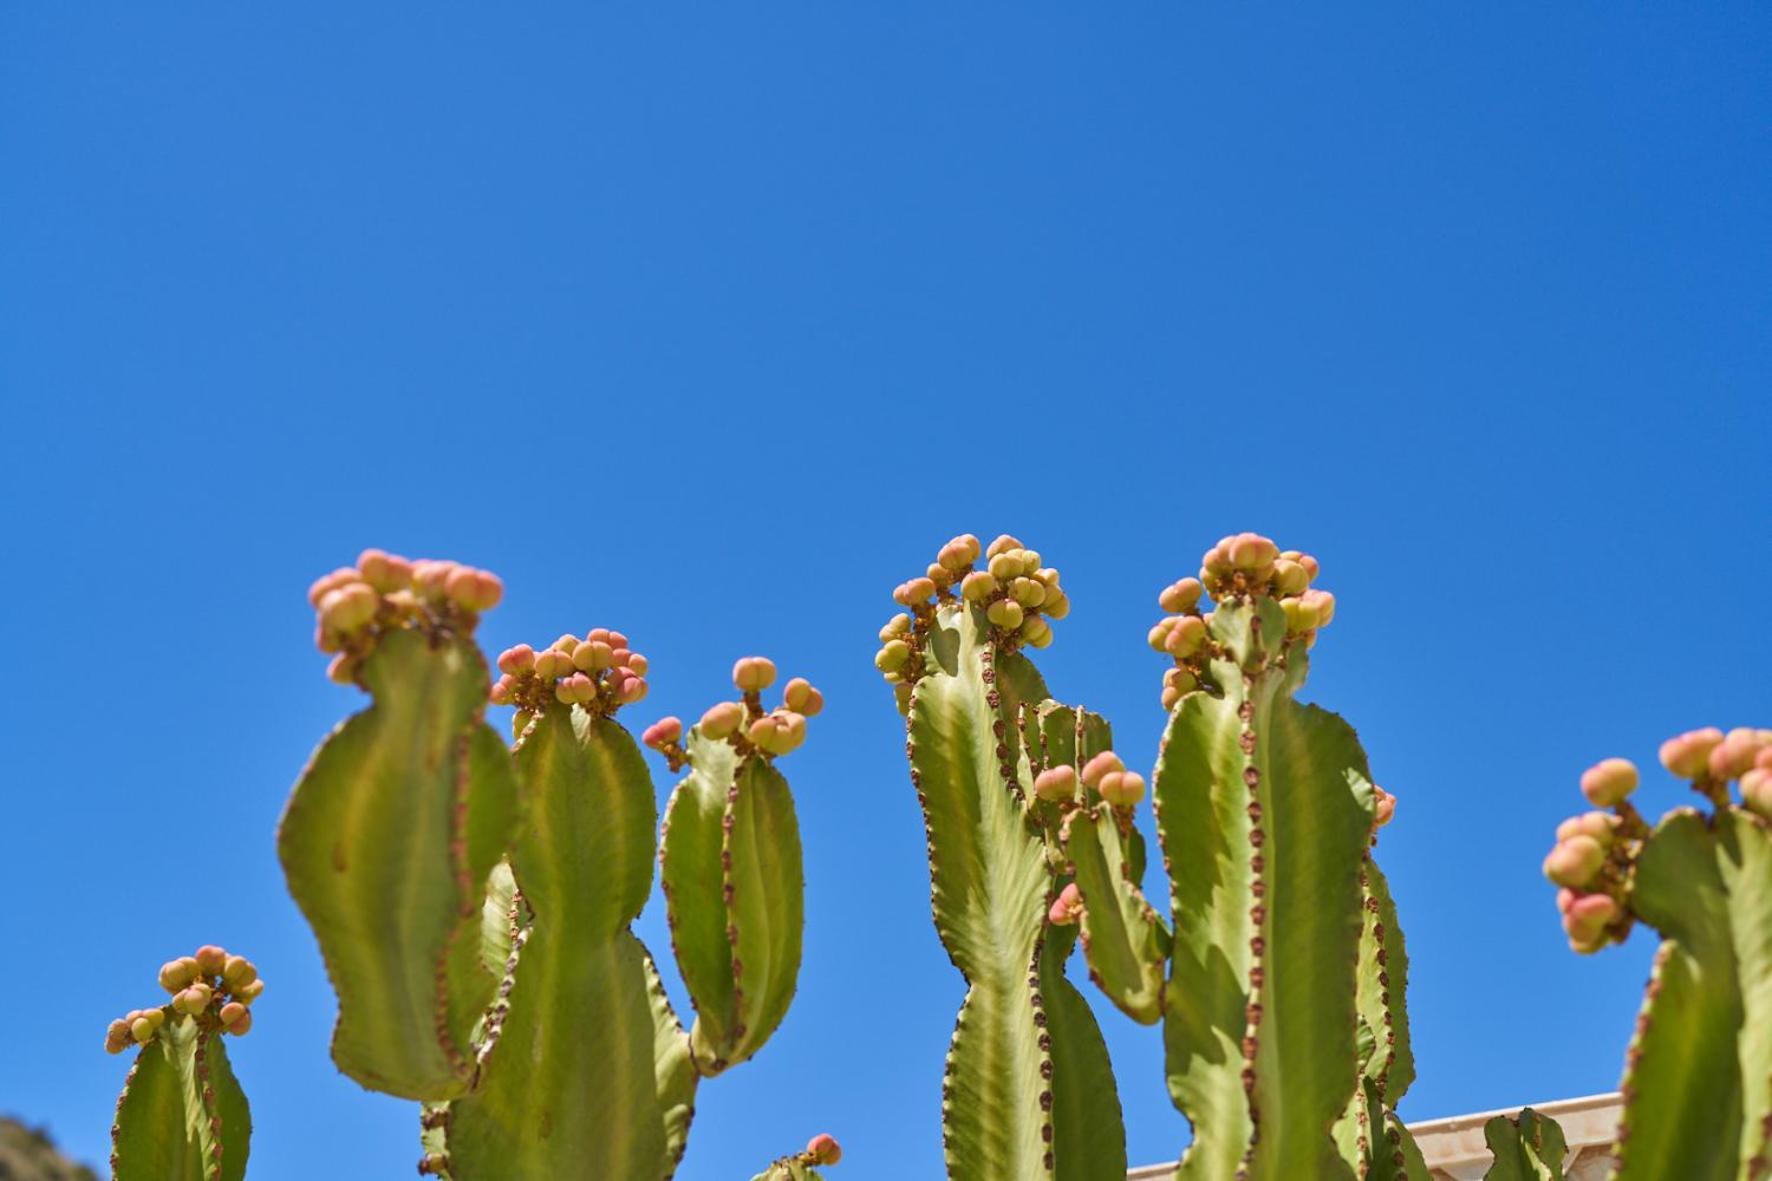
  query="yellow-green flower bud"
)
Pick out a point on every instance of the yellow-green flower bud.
point(1036, 632)
point(1029, 592)
point(1006, 565)
point(898, 625)
point(1004, 542)
point(892, 656)
point(722, 720)
point(978, 586)
point(239, 971)
point(1005, 613)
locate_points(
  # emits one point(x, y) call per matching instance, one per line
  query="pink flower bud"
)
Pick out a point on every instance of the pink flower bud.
point(241, 1024)
point(348, 607)
point(594, 656)
point(799, 696)
point(516, 660)
point(1735, 754)
point(1185, 637)
point(1056, 784)
point(117, 1036)
point(551, 664)
point(1756, 791)
point(663, 733)
point(211, 959)
point(342, 669)
point(1601, 826)
point(1180, 597)
point(753, 674)
point(722, 720)
point(633, 689)
point(1252, 552)
point(1100, 765)
point(954, 556)
point(1004, 542)
point(430, 577)
point(1385, 806)
point(1321, 604)
point(1688, 755)
point(384, 571)
point(638, 663)
point(500, 693)
point(1609, 782)
point(175, 975)
point(330, 582)
point(1575, 862)
point(823, 1148)
point(1067, 908)
point(1122, 789)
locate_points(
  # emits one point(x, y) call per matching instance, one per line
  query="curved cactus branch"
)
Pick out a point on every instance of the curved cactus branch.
point(581, 1033)
point(387, 843)
point(1027, 1090)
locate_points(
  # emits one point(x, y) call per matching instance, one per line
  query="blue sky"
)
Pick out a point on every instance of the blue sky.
point(711, 323)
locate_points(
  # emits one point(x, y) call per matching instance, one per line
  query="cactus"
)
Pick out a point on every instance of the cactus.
point(1529, 1147)
point(1028, 1090)
point(487, 968)
point(1698, 1075)
point(398, 819)
point(182, 1115)
point(1265, 811)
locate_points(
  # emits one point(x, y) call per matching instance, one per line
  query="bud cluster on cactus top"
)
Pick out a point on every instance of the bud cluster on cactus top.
point(601, 672)
point(1595, 851)
point(383, 592)
point(745, 723)
point(1019, 596)
point(211, 987)
point(1239, 566)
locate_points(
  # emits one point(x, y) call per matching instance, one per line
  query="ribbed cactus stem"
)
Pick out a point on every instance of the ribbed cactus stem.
point(1027, 1091)
point(1264, 808)
point(1698, 1073)
point(1529, 1147)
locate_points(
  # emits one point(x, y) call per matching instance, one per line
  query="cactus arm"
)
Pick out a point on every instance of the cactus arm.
point(1088, 1140)
point(1682, 1114)
point(182, 1115)
point(386, 842)
point(674, 1068)
point(1744, 862)
point(789, 1169)
point(1265, 808)
point(1126, 944)
point(1529, 1149)
point(579, 1036)
point(1380, 988)
point(734, 889)
point(989, 885)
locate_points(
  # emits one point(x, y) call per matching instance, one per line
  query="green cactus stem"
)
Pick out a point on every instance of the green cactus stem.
point(1028, 1091)
point(1529, 1147)
point(586, 1026)
point(182, 1115)
point(1698, 1074)
point(1264, 809)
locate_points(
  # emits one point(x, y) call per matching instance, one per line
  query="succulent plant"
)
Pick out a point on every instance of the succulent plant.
point(1528, 1147)
point(822, 1149)
point(1028, 1090)
point(182, 1115)
point(474, 908)
point(1698, 1075)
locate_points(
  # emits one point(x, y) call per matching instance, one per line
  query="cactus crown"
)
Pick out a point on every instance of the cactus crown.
point(385, 592)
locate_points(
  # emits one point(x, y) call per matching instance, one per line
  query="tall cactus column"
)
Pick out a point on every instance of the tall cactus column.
point(1028, 1091)
point(1698, 1075)
point(1264, 809)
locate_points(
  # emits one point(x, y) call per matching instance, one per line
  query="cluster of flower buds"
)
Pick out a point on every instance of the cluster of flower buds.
point(1067, 908)
point(1711, 759)
point(1105, 773)
point(600, 672)
point(1018, 595)
point(210, 986)
point(822, 1149)
point(385, 591)
point(745, 723)
point(1246, 564)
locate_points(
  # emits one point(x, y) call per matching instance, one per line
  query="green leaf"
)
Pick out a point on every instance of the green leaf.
point(387, 842)
point(572, 1087)
point(182, 1115)
point(1286, 901)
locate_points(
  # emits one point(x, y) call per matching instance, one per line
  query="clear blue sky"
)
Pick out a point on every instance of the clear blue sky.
point(711, 323)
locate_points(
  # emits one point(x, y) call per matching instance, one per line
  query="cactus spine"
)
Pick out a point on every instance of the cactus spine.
point(1698, 1075)
point(182, 1115)
point(1028, 1091)
point(474, 908)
